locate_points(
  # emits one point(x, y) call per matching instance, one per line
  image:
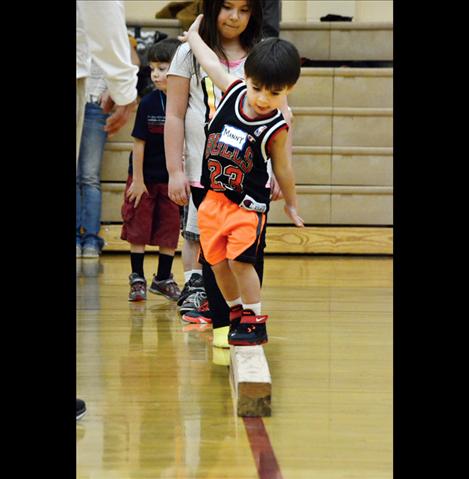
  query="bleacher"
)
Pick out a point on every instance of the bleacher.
point(342, 143)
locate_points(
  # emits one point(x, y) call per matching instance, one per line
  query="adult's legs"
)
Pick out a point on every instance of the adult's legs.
point(80, 110)
point(89, 175)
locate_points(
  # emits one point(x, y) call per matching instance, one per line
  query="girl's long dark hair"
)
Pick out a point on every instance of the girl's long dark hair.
point(209, 32)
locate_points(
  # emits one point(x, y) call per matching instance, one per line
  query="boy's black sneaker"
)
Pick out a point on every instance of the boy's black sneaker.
point(251, 330)
point(81, 408)
point(195, 283)
point(235, 317)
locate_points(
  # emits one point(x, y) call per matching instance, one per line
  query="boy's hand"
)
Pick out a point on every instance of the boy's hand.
point(293, 215)
point(135, 192)
point(193, 28)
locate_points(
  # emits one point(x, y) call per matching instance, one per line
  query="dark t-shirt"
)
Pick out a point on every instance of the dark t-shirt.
point(237, 149)
point(149, 126)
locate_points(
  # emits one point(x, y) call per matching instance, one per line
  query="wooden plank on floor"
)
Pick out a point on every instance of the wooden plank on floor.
point(251, 381)
point(288, 239)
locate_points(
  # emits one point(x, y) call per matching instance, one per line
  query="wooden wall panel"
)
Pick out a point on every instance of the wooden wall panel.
point(314, 88)
point(363, 169)
point(289, 239)
point(363, 128)
point(362, 206)
point(312, 126)
point(363, 88)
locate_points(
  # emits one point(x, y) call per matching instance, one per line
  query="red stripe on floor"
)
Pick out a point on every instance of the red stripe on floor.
point(266, 462)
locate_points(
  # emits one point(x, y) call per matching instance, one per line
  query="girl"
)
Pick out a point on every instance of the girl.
point(231, 28)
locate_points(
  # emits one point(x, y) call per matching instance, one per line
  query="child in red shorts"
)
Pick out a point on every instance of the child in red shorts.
point(247, 132)
point(149, 216)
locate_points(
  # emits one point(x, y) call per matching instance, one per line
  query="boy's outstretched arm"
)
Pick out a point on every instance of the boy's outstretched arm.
point(207, 58)
point(284, 174)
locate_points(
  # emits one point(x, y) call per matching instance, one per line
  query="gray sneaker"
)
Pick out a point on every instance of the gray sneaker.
point(166, 287)
point(195, 283)
point(90, 252)
point(192, 302)
point(138, 288)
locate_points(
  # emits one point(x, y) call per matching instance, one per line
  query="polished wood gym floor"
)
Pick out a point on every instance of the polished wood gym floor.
point(158, 407)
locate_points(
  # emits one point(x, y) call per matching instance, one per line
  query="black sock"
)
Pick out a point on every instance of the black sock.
point(136, 260)
point(165, 263)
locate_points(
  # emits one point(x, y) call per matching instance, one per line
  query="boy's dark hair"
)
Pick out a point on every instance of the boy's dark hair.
point(209, 31)
point(274, 64)
point(163, 51)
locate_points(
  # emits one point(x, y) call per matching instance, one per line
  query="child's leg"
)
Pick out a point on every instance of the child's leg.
point(165, 233)
point(248, 281)
point(163, 281)
point(165, 263)
point(229, 289)
point(250, 328)
point(193, 281)
point(226, 280)
point(137, 255)
point(138, 285)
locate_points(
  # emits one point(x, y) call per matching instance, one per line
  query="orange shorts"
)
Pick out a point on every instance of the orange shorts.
point(228, 231)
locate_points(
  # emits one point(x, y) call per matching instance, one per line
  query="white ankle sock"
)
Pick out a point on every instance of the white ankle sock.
point(187, 275)
point(256, 307)
point(235, 302)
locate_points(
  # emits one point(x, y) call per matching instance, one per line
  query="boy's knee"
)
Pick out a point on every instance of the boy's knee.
point(239, 265)
point(221, 266)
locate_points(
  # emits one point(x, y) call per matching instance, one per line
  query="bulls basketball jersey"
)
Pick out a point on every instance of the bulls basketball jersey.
point(237, 150)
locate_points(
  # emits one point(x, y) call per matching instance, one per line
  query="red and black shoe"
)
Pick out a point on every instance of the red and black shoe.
point(235, 317)
point(250, 331)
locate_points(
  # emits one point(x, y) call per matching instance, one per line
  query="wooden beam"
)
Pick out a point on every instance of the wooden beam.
point(251, 381)
point(288, 239)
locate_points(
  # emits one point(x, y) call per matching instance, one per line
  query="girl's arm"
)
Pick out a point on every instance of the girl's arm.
point(284, 174)
point(177, 95)
point(137, 187)
point(207, 58)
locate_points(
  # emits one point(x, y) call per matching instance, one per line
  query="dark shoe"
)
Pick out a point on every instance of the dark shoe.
point(195, 283)
point(166, 287)
point(81, 408)
point(250, 331)
point(201, 315)
point(193, 301)
point(138, 288)
point(235, 317)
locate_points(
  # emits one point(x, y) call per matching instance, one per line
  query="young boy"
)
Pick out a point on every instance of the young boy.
point(246, 131)
point(149, 216)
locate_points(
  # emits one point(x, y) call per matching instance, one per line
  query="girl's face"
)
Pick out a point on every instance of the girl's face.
point(233, 18)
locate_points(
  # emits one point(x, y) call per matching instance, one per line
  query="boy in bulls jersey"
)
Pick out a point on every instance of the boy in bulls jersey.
point(246, 132)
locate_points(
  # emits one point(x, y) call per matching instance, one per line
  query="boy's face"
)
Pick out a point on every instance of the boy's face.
point(159, 70)
point(263, 100)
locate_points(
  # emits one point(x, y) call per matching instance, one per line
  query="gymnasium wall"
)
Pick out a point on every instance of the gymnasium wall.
point(294, 10)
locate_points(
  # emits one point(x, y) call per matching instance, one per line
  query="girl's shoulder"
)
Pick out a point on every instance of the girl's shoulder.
point(182, 59)
point(183, 52)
